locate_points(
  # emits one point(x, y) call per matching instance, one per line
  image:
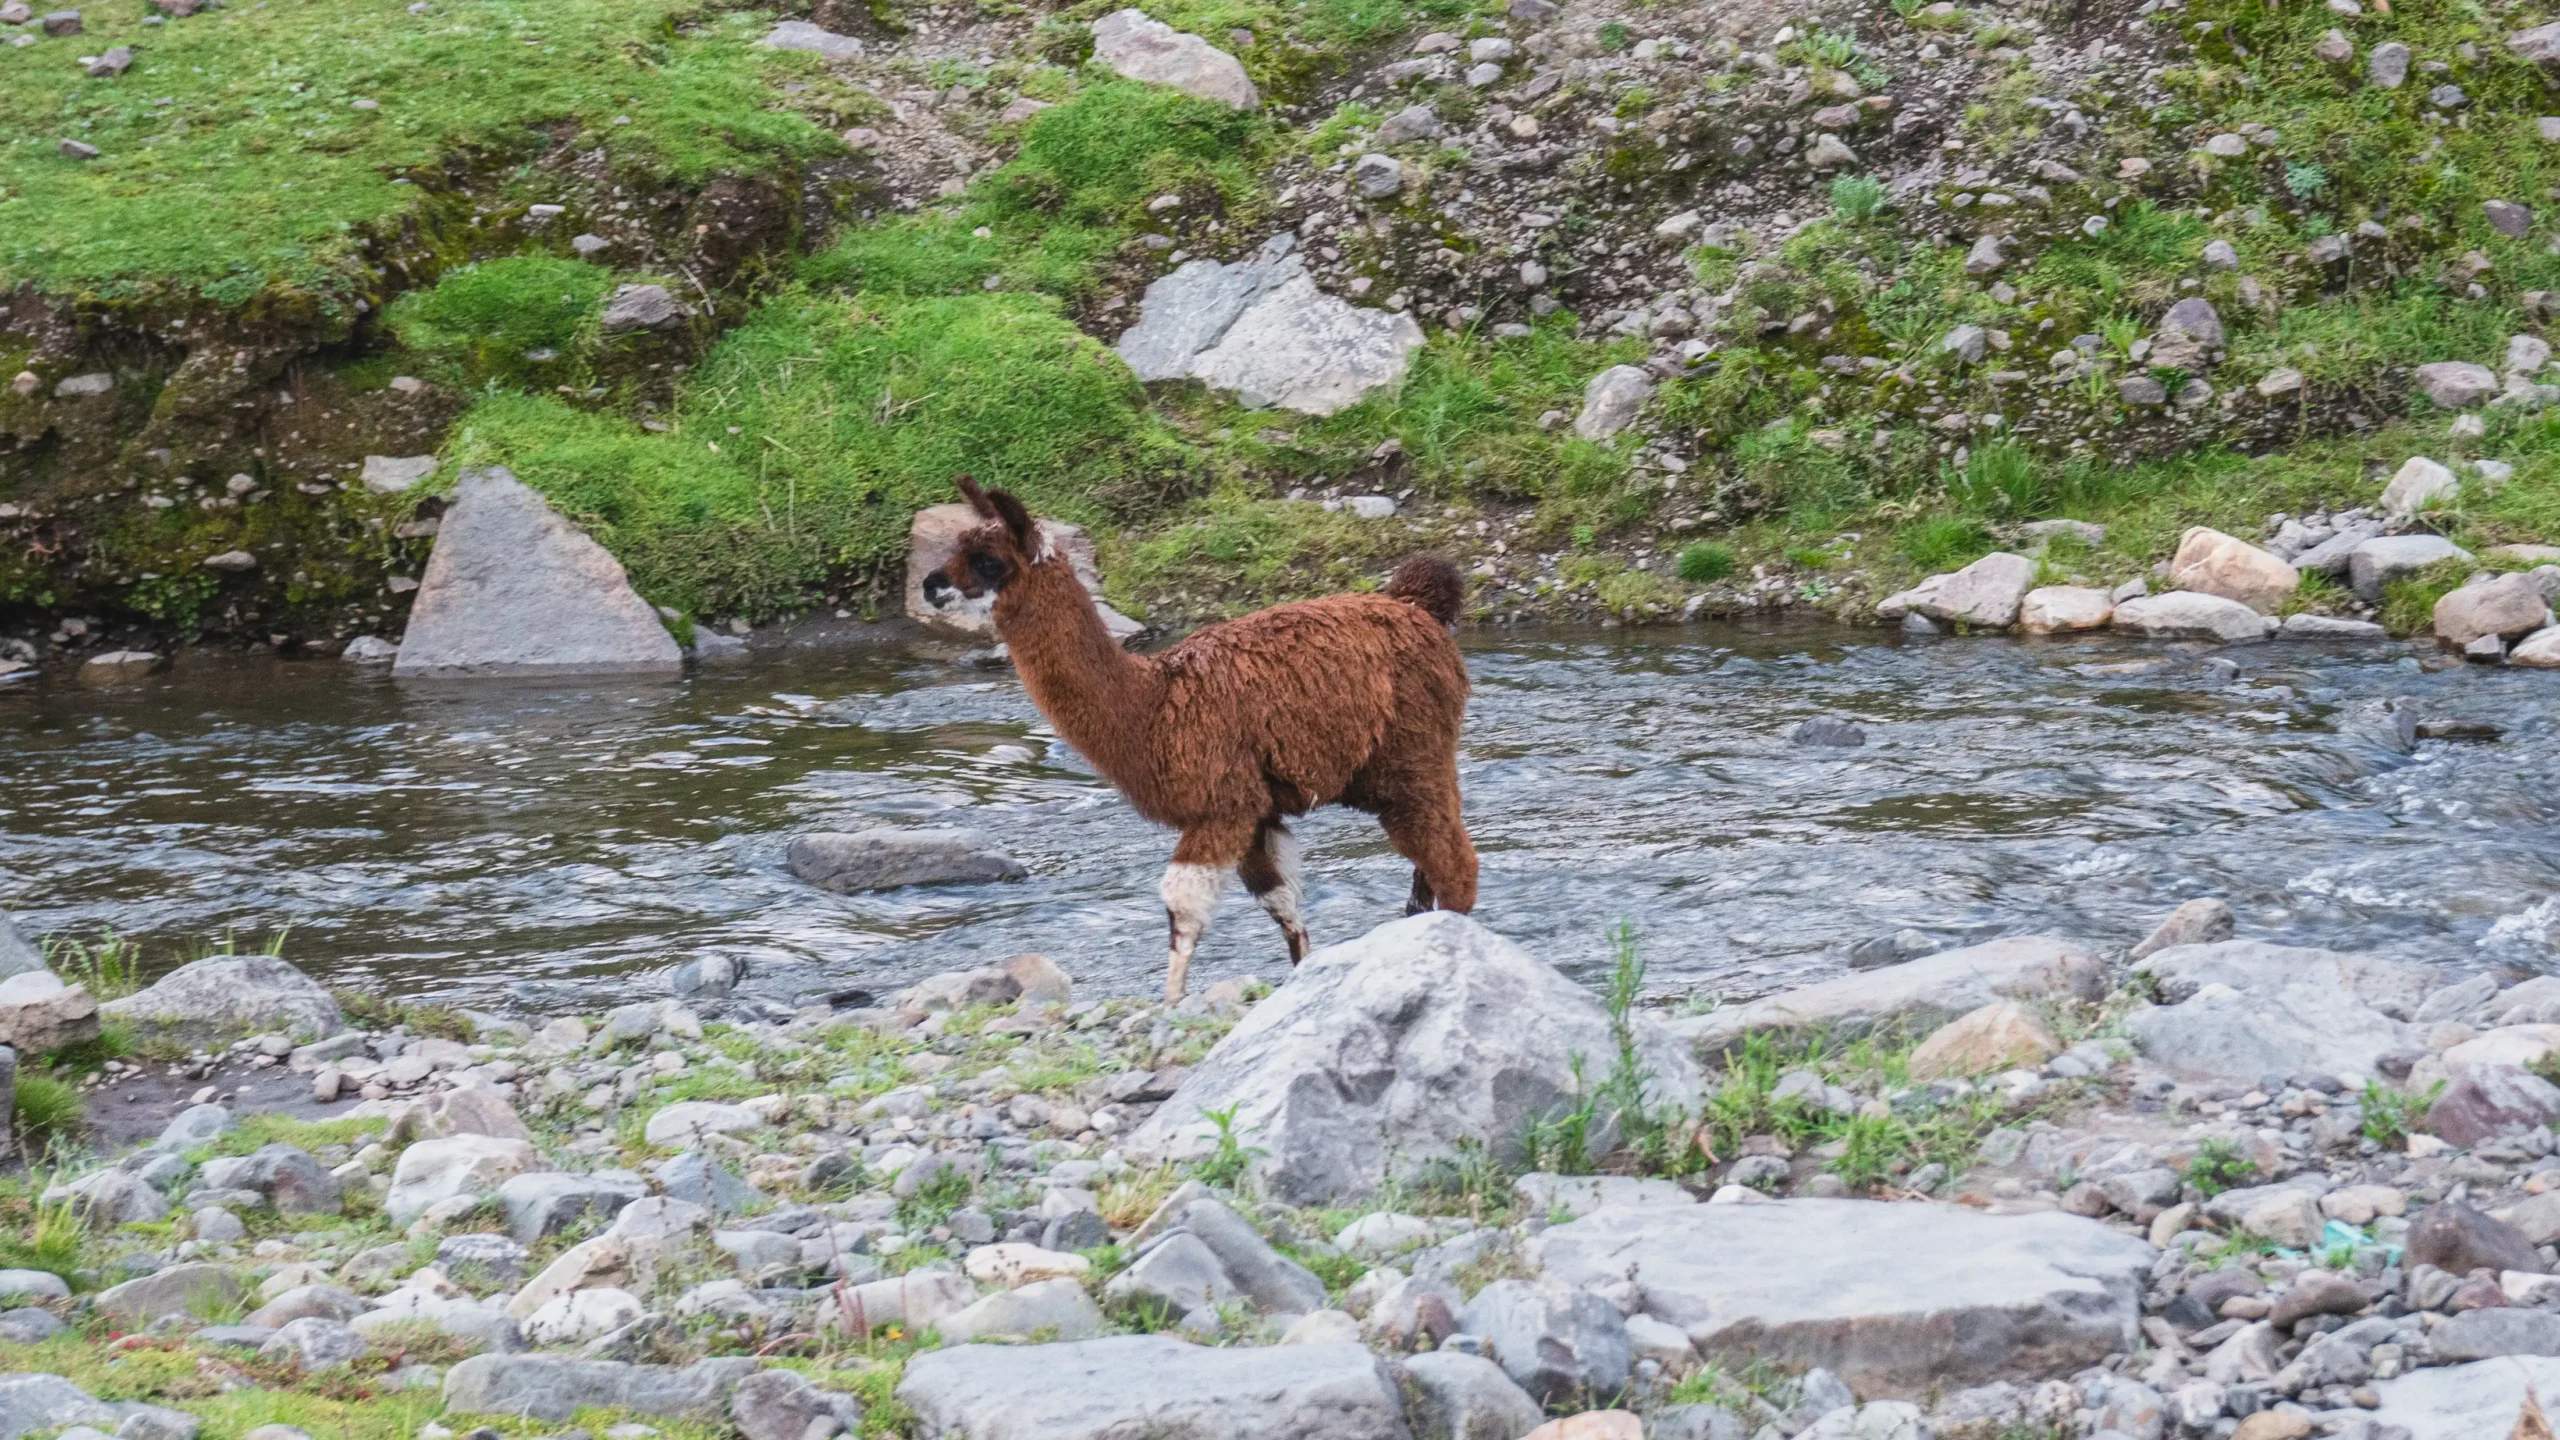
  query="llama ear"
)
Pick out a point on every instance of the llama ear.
point(1016, 518)
point(976, 497)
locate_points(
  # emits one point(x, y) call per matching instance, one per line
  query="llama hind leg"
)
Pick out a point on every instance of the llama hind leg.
point(1191, 887)
point(1270, 872)
point(1433, 836)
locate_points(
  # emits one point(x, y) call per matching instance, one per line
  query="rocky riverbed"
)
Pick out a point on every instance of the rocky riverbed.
point(2167, 1186)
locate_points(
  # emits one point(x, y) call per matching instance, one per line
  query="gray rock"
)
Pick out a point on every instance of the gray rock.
point(28, 1325)
point(1579, 1195)
point(698, 1179)
point(189, 1289)
point(108, 1198)
point(1552, 1339)
point(1985, 257)
point(2197, 922)
point(2141, 390)
point(801, 35)
point(2378, 562)
point(1261, 328)
point(2194, 319)
point(2327, 627)
point(887, 858)
point(1611, 401)
point(394, 474)
point(1154, 1386)
point(284, 1176)
point(783, 1405)
point(2483, 1102)
point(40, 1284)
point(1270, 1279)
point(1967, 343)
point(1186, 312)
point(555, 1387)
point(314, 1343)
point(1179, 1275)
point(1918, 995)
point(513, 588)
point(1467, 1397)
point(2191, 615)
point(1984, 595)
point(548, 1203)
point(17, 953)
point(1697, 1422)
point(2388, 65)
point(1045, 1310)
point(2491, 1333)
point(2509, 607)
point(2243, 1008)
point(1150, 50)
point(192, 1128)
point(639, 307)
point(2456, 1238)
point(1377, 176)
point(230, 995)
point(2508, 218)
point(2417, 484)
point(481, 1261)
point(1391, 1049)
point(1413, 122)
point(303, 1302)
point(1896, 1299)
point(2456, 384)
point(2477, 1401)
point(39, 1404)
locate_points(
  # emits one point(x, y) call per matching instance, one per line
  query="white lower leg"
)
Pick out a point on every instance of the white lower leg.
point(1284, 900)
point(1190, 897)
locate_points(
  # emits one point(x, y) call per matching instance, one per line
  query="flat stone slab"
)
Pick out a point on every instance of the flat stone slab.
point(1900, 1300)
point(1261, 328)
point(801, 35)
point(1918, 995)
point(1153, 1386)
point(2243, 1008)
point(2478, 1401)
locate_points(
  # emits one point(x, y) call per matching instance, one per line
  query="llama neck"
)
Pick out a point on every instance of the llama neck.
point(1101, 698)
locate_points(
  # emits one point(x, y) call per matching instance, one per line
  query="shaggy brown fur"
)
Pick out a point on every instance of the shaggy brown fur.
point(1350, 699)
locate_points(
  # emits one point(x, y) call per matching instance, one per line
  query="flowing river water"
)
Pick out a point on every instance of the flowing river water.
point(544, 847)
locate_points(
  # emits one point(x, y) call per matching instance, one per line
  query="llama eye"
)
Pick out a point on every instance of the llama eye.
point(987, 568)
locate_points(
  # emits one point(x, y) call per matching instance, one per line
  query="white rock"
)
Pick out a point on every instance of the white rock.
point(1150, 50)
point(1153, 1385)
point(2058, 609)
point(682, 1125)
point(460, 1165)
point(1611, 401)
point(390, 474)
point(2418, 483)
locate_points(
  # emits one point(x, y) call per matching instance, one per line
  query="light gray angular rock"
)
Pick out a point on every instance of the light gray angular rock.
point(1153, 1386)
point(1298, 348)
point(434, 1170)
point(2244, 1008)
point(2476, 1401)
point(39, 1014)
point(314, 1343)
point(1579, 1195)
point(635, 307)
point(1270, 1279)
point(1552, 1339)
point(1611, 401)
point(1377, 176)
point(1413, 122)
point(1379, 1055)
point(555, 1387)
point(1187, 311)
point(697, 1178)
point(801, 35)
point(547, 1203)
point(18, 954)
point(1467, 1397)
point(1968, 343)
point(2329, 557)
point(1150, 50)
point(2191, 615)
point(888, 858)
point(193, 1127)
point(1697, 1422)
point(2377, 562)
point(2197, 922)
point(1917, 995)
point(1045, 1310)
point(2456, 384)
point(2418, 483)
point(2498, 1331)
point(2329, 627)
point(36, 1404)
point(1985, 595)
point(194, 1288)
point(284, 1175)
point(513, 588)
point(2388, 66)
point(39, 1284)
point(108, 1198)
point(783, 1405)
point(1898, 1300)
point(2509, 606)
point(1179, 1275)
point(687, 1121)
point(394, 474)
point(230, 995)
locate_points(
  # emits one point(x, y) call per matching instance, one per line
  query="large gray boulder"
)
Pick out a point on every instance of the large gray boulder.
point(1985, 595)
point(1898, 1300)
point(1153, 1386)
point(2385, 558)
point(285, 1176)
point(2244, 1008)
point(547, 1203)
point(1150, 50)
point(1261, 328)
point(36, 1404)
point(17, 952)
point(512, 588)
point(1467, 1397)
point(886, 858)
point(2478, 1401)
point(190, 1289)
point(225, 996)
point(1385, 1053)
point(1553, 1340)
point(1916, 996)
point(555, 1387)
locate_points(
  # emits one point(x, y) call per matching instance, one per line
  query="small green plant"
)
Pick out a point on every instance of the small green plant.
point(37, 1236)
point(2001, 478)
point(2219, 1166)
point(1616, 38)
point(1228, 1162)
point(1858, 197)
point(934, 1200)
point(1704, 562)
point(1944, 542)
point(45, 1110)
point(1559, 1141)
point(2304, 181)
point(2392, 1116)
point(109, 966)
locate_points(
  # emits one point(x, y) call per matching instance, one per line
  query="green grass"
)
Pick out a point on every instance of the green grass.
point(110, 966)
point(2392, 1116)
point(45, 1110)
point(490, 320)
point(261, 175)
point(1704, 562)
point(36, 1236)
point(256, 1131)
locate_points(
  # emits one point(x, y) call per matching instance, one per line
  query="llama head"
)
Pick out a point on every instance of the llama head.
point(989, 557)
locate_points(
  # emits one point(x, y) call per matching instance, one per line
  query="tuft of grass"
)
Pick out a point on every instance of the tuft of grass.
point(2392, 1116)
point(1858, 197)
point(256, 1131)
point(1944, 542)
point(45, 1110)
point(37, 1236)
point(493, 319)
point(371, 1010)
point(110, 966)
point(1704, 562)
point(236, 161)
point(934, 1201)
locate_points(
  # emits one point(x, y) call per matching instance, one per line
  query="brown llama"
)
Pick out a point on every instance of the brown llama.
point(1349, 699)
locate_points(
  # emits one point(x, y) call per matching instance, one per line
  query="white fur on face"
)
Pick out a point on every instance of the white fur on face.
point(974, 607)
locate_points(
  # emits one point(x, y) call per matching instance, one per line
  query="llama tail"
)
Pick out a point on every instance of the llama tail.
point(1432, 584)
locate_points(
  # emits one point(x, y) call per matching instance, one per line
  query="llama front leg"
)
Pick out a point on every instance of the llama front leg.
point(1270, 872)
point(1190, 893)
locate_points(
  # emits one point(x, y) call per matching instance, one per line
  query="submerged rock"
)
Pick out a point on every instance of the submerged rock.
point(884, 859)
point(1384, 1052)
point(513, 588)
